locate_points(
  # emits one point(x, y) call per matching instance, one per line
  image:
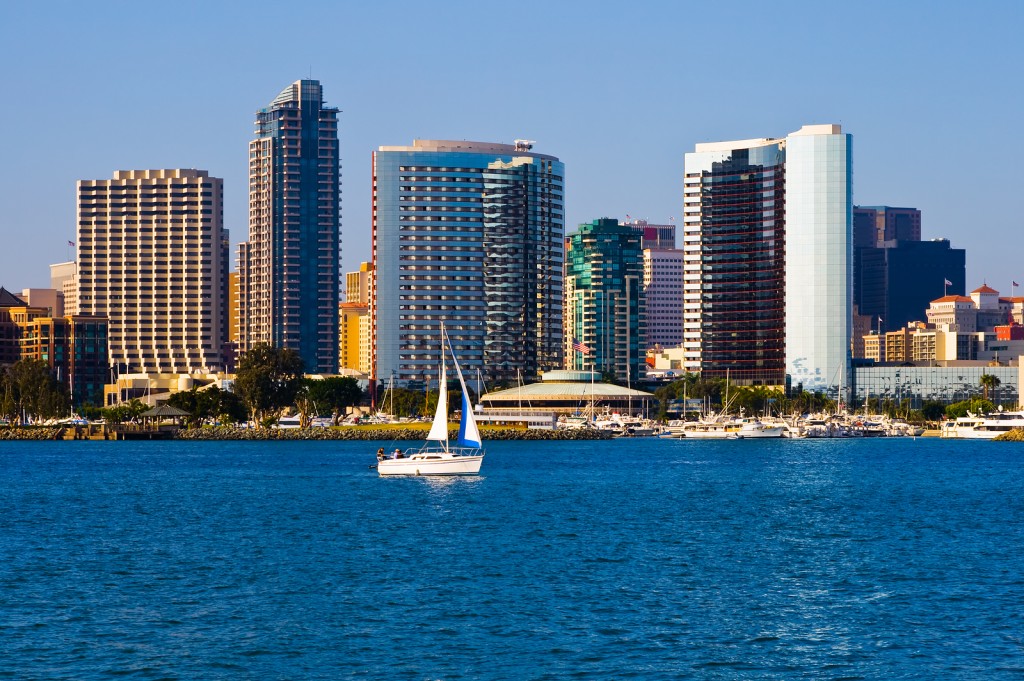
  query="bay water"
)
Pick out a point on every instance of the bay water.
point(643, 559)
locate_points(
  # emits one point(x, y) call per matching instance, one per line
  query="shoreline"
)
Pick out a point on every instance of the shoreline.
point(343, 433)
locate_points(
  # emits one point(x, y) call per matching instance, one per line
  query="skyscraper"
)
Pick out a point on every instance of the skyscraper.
point(469, 234)
point(663, 295)
point(734, 205)
point(289, 268)
point(895, 283)
point(604, 299)
point(874, 225)
point(152, 258)
point(767, 231)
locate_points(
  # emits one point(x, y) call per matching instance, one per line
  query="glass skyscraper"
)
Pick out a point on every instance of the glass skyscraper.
point(289, 268)
point(819, 258)
point(469, 234)
point(604, 299)
point(767, 235)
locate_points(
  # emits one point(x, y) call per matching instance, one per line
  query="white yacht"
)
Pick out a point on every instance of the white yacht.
point(718, 428)
point(987, 427)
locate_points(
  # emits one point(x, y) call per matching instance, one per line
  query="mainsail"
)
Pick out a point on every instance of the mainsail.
point(439, 429)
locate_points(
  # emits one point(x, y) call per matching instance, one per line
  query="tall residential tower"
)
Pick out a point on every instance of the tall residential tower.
point(469, 234)
point(289, 268)
point(767, 231)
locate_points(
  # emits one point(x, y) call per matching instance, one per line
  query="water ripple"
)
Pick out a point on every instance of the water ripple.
point(845, 560)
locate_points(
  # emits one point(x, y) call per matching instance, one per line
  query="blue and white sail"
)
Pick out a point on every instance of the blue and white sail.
point(469, 434)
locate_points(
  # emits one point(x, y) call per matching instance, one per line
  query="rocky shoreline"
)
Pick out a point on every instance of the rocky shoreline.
point(344, 433)
point(1015, 435)
point(31, 433)
point(379, 434)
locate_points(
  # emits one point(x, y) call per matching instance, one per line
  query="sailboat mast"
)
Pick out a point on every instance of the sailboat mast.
point(440, 357)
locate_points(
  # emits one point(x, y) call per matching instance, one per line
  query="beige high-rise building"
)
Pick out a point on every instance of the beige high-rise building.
point(64, 278)
point(357, 284)
point(354, 334)
point(152, 257)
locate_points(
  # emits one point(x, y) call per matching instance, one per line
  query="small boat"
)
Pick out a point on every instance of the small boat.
point(438, 456)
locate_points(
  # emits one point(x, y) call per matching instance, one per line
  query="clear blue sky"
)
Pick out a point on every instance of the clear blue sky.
point(933, 93)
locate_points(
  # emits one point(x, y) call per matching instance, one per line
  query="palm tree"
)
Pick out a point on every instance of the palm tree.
point(989, 381)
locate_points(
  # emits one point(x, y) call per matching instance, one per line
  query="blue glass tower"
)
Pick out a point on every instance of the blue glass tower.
point(289, 269)
point(469, 234)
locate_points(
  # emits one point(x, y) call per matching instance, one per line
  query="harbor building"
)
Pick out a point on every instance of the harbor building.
point(939, 382)
point(288, 269)
point(604, 300)
point(562, 393)
point(767, 240)
point(468, 234)
point(153, 259)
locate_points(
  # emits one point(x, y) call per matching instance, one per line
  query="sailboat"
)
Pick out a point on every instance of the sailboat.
point(438, 456)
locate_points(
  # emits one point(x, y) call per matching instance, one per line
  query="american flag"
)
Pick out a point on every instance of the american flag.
point(580, 346)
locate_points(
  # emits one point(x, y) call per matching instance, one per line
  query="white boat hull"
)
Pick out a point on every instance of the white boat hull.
point(431, 465)
point(747, 431)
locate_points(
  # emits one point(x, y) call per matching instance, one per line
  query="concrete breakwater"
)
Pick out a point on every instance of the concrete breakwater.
point(385, 434)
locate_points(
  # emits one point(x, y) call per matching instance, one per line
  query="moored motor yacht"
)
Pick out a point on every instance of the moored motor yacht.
point(987, 427)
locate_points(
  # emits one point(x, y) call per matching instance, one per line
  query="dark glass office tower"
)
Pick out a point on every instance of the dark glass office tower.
point(741, 309)
point(898, 281)
point(289, 269)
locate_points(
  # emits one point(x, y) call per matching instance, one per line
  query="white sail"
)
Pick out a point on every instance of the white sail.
point(439, 429)
point(469, 434)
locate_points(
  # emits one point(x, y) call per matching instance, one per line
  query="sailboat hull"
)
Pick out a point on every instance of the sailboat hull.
point(431, 464)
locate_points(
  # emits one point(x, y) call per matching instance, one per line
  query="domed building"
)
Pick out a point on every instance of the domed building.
point(563, 392)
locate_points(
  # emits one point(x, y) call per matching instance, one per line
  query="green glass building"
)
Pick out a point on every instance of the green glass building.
point(604, 304)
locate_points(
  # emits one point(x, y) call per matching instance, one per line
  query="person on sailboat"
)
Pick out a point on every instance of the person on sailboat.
point(380, 454)
point(397, 454)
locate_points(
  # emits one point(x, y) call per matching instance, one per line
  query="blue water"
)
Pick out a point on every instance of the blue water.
point(640, 559)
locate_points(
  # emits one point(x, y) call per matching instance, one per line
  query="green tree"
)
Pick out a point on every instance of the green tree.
point(333, 395)
point(406, 402)
point(89, 411)
point(268, 380)
point(932, 410)
point(35, 391)
point(973, 405)
point(989, 381)
point(229, 406)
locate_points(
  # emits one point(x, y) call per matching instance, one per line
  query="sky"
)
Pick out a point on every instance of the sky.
point(932, 92)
